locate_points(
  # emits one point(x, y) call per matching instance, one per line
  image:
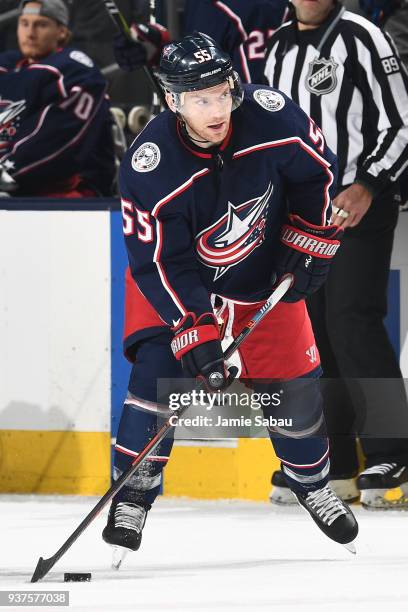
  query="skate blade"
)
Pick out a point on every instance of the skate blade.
point(351, 548)
point(119, 554)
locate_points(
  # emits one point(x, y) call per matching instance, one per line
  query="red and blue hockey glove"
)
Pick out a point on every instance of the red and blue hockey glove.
point(197, 344)
point(144, 49)
point(306, 251)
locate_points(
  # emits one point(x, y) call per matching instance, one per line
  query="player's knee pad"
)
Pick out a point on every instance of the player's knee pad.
point(299, 412)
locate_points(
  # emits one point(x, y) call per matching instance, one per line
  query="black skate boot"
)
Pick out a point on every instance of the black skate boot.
point(379, 487)
point(281, 494)
point(124, 529)
point(331, 515)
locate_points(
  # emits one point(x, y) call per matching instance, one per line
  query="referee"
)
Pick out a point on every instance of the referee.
point(346, 74)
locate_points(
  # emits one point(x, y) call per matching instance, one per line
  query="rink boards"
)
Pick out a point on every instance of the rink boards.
point(62, 374)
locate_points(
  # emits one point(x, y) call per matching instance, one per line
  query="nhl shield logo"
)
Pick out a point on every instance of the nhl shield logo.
point(321, 78)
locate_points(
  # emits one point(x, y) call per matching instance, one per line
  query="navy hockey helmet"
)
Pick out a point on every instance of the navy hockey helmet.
point(197, 62)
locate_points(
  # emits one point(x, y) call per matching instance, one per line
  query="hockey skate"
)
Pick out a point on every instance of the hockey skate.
point(124, 530)
point(331, 515)
point(384, 487)
point(281, 495)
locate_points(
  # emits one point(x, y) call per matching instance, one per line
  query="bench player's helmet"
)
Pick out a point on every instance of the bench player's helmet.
point(197, 62)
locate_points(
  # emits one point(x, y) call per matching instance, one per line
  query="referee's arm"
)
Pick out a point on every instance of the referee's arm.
point(383, 81)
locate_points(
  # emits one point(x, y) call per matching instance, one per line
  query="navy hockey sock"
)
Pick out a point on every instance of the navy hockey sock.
point(136, 428)
point(301, 444)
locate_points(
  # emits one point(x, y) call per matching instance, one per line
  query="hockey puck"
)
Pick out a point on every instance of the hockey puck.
point(71, 577)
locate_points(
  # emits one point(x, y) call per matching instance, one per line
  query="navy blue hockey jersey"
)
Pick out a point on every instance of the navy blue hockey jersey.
point(241, 27)
point(55, 121)
point(201, 221)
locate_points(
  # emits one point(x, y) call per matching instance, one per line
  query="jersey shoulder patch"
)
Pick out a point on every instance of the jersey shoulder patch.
point(81, 58)
point(269, 100)
point(146, 158)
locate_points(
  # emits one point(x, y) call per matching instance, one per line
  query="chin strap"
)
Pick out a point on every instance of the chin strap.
point(185, 130)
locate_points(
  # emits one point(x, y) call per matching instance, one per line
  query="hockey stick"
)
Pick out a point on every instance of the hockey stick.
point(44, 565)
point(156, 99)
point(121, 24)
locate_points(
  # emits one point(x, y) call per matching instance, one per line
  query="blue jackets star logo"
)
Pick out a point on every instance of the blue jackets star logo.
point(234, 236)
point(9, 110)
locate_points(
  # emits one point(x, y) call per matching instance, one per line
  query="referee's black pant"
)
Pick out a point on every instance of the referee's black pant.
point(363, 390)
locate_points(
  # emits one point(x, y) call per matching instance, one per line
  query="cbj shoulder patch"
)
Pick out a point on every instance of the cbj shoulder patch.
point(146, 158)
point(269, 100)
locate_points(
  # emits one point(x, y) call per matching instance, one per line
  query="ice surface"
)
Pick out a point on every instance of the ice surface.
point(199, 556)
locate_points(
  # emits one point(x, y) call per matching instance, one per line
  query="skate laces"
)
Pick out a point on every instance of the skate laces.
point(130, 516)
point(326, 504)
point(381, 468)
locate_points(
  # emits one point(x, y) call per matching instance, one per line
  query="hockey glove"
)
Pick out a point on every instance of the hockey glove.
point(144, 49)
point(197, 343)
point(306, 251)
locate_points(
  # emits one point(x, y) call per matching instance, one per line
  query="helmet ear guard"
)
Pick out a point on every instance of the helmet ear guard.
point(237, 92)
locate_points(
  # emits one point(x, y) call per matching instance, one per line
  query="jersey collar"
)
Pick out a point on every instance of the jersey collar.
point(199, 151)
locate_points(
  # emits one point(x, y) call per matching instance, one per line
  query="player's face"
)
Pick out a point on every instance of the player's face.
point(312, 13)
point(38, 36)
point(207, 113)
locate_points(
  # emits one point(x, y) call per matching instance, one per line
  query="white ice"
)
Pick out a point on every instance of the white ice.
point(199, 556)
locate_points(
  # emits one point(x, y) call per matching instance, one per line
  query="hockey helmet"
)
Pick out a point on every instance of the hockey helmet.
point(197, 62)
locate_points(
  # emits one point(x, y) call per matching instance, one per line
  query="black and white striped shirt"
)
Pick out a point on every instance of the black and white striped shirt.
point(346, 74)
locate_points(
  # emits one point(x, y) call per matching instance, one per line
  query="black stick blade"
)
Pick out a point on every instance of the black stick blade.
point(43, 567)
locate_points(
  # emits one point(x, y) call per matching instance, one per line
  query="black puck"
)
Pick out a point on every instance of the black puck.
point(77, 577)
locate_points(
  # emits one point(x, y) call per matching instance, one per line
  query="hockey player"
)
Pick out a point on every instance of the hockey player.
point(55, 124)
point(227, 189)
